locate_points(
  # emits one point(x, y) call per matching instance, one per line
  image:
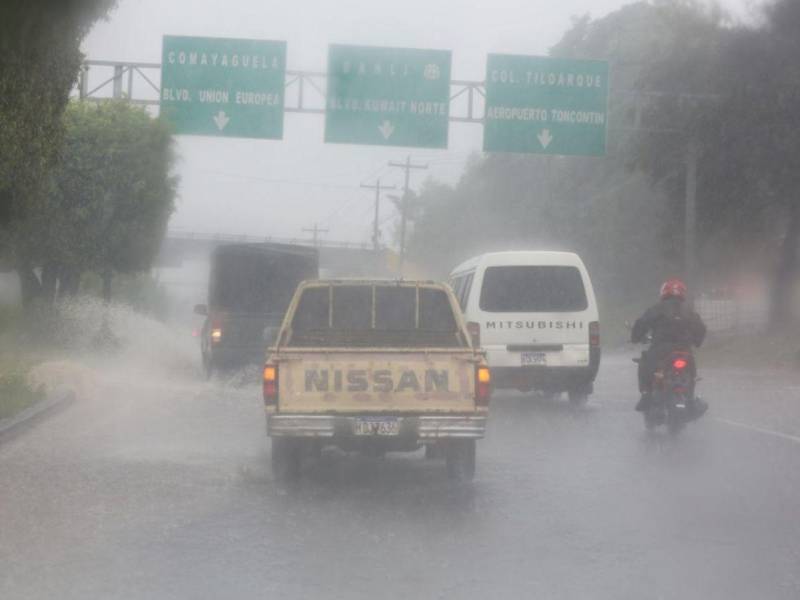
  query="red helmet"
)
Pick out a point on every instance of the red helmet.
point(673, 288)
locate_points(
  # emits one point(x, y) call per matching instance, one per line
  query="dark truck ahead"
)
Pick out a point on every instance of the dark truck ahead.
point(250, 287)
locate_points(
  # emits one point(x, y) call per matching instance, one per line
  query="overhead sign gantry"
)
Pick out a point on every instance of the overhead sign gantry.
point(378, 96)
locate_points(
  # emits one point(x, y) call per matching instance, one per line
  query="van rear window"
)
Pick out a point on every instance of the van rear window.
point(529, 288)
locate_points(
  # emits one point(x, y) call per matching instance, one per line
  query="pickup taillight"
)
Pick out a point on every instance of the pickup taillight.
point(270, 384)
point(483, 385)
point(594, 333)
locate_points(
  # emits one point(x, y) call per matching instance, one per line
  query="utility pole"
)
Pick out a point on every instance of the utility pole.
point(406, 166)
point(690, 218)
point(315, 231)
point(377, 187)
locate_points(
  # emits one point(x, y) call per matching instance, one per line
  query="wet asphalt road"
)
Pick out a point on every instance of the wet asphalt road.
point(163, 490)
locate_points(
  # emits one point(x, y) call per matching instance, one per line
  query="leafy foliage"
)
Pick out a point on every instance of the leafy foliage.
point(736, 92)
point(40, 45)
point(112, 192)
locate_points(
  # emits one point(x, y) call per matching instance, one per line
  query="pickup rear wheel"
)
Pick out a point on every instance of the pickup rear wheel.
point(433, 451)
point(460, 460)
point(286, 457)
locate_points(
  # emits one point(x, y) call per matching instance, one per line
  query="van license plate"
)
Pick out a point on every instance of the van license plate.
point(376, 427)
point(534, 358)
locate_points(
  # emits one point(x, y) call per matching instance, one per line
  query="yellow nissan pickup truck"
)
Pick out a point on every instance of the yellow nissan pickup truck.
point(375, 367)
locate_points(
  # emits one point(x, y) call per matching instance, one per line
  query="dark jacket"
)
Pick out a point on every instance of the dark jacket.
point(672, 323)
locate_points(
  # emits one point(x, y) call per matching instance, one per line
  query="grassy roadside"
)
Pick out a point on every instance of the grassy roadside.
point(15, 393)
point(775, 350)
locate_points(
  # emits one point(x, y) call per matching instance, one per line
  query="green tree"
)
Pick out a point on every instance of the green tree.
point(111, 196)
point(735, 93)
point(40, 48)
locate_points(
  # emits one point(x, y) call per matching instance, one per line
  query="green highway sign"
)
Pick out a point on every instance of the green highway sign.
point(545, 105)
point(387, 96)
point(223, 87)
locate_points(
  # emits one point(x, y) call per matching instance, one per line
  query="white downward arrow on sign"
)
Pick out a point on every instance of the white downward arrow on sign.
point(545, 138)
point(221, 119)
point(386, 129)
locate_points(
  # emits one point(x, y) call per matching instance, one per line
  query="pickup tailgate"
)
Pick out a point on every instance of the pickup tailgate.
point(345, 381)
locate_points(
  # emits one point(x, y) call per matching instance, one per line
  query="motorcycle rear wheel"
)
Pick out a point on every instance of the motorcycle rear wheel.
point(675, 425)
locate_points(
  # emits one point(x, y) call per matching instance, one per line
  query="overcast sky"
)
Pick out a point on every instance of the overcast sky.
point(277, 188)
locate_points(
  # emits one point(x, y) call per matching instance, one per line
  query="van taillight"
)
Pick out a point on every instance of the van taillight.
point(483, 385)
point(594, 333)
point(270, 386)
point(474, 330)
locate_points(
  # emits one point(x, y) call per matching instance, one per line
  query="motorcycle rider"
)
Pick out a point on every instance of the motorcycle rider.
point(673, 325)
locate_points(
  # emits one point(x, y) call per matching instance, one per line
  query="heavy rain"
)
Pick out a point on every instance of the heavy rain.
point(400, 299)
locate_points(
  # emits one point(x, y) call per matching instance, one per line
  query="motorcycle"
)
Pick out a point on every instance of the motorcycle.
point(672, 401)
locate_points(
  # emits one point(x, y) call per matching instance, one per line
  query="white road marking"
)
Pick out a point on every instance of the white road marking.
point(772, 432)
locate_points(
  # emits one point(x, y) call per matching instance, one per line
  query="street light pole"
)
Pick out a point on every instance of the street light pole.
point(375, 230)
point(406, 166)
point(690, 218)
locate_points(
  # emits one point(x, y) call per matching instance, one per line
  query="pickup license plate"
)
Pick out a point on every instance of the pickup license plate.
point(378, 426)
point(534, 358)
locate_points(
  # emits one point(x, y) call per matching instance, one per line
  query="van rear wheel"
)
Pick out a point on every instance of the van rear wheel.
point(460, 460)
point(578, 397)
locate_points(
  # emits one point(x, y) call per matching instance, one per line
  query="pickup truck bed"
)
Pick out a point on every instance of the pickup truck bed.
point(339, 378)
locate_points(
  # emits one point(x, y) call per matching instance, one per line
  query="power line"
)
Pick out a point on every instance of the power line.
point(376, 172)
point(346, 206)
point(283, 181)
point(340, 209)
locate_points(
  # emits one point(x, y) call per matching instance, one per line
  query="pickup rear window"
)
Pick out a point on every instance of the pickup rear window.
point(391, 316)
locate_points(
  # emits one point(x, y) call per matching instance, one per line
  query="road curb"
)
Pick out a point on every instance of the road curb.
point(55, 401)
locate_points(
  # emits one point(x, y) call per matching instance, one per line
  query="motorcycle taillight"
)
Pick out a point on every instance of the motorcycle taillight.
point(680, 364)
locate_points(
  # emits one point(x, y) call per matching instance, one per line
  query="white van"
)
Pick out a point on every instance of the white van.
point(536, 316)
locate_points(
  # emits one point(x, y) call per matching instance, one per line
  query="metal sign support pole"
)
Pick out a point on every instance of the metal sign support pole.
point(690, 246)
